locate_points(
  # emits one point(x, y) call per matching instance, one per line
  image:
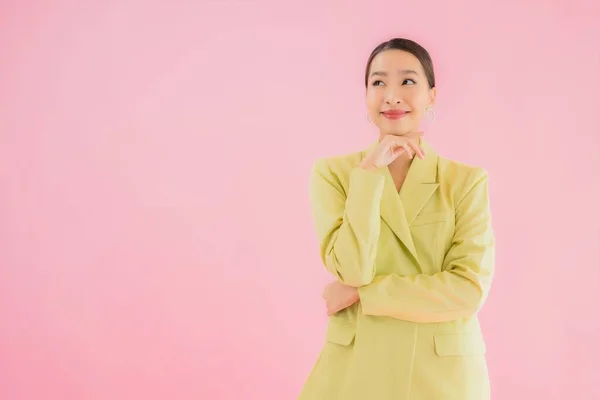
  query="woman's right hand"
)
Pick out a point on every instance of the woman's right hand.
point(390, 147)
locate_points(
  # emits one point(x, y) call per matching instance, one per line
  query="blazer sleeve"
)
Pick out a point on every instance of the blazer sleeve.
point(461, 288)
point(347, 221)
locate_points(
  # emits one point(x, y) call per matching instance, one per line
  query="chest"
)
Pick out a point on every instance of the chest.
point(398, 177)
point(432, 232)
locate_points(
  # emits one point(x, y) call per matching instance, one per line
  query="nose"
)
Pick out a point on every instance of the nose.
point(392, 96)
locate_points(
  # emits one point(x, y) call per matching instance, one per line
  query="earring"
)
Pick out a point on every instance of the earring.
point(430, 113)
point(368, 118)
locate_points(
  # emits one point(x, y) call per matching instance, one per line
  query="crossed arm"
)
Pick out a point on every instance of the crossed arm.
point(348, 229)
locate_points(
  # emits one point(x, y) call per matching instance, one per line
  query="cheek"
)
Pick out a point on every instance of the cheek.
point(416, 115)
point(420, 100)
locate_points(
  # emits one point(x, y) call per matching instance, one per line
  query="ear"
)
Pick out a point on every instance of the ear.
point(432, 96)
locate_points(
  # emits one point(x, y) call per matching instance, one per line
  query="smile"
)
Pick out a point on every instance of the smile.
point(395, 114)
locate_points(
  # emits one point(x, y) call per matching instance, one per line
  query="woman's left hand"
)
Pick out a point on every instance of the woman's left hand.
point(339, 296)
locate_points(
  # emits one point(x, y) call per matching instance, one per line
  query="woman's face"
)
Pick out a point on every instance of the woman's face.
point(397, 82)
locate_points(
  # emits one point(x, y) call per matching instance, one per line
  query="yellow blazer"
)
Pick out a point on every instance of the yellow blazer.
point(422, 260)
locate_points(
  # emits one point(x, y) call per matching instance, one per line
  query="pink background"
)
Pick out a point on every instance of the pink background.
point(155, 237)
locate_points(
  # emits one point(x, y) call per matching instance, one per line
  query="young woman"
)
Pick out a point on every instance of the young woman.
point(407, 234)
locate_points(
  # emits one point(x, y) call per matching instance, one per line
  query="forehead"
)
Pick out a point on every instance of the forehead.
point(390, 60)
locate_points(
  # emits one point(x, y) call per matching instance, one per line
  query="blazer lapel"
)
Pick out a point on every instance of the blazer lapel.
point(399, 209)
point(420, 183)
point(394, 214)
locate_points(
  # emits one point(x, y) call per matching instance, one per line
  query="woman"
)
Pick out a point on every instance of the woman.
point(407, 234)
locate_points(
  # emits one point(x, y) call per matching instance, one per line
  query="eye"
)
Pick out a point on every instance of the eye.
point(375, 82)
point(409, 80)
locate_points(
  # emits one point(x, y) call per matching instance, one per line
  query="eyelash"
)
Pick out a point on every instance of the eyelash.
point(408, 79)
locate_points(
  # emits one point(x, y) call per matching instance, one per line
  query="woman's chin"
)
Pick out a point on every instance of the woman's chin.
point(396, 128)
point(395, 132)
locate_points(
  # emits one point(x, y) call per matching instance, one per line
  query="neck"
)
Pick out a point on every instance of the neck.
point(402, 163)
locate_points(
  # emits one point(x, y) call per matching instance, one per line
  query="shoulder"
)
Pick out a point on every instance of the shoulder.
point(453, 169)
point(338, 165)
point(460, 176)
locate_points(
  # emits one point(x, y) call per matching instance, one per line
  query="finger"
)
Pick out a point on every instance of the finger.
point(418, 150)
point(397, 147)
point(414, 140)
point(398, 150)
point(408, 149)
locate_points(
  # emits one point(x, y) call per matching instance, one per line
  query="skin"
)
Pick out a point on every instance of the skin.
point(396, 81)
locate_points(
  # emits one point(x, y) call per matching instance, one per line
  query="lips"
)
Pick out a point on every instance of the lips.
point(394, 114)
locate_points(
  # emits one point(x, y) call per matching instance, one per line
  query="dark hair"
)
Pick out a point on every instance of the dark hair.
point(409, 46)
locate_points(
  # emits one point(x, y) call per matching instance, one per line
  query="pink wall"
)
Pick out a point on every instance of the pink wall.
point(154, 226)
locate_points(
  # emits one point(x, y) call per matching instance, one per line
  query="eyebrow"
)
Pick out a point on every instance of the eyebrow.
point(404, 71)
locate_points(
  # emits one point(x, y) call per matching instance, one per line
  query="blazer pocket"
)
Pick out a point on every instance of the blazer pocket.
point(459, 345)
point(340, 333)
point(431, 218)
